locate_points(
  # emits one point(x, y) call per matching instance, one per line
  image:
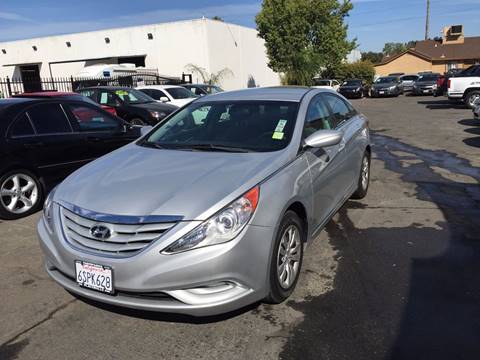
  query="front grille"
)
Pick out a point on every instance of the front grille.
point(124, 239)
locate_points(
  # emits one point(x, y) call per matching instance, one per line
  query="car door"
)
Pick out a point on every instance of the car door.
point(109, 98)
point(101, 131)
point(55, 150)
point(324, 163)
point(350, 150)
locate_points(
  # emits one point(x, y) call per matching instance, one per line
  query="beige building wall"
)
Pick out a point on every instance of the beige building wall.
point(406, 63)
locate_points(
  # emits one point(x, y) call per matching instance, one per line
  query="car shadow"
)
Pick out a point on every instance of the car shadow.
point(165, 317)
point(441, 104)
point(402, 292)
point(475, 130)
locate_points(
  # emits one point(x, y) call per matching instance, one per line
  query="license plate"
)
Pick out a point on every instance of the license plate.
point(381, 92)
point(426, 91)
point(94, 276)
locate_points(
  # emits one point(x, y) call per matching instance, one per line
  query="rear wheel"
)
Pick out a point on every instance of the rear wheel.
point(471, 98)
point(364, 178)
point(137, 121)
point(287, 258)
point(20, 194)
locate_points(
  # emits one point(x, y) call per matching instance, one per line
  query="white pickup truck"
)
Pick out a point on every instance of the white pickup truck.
point(465, 86)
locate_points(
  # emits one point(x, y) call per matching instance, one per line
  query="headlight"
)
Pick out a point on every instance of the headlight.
point(48, 211)
point(222, 227)
point(158, 114)
point(392, 87)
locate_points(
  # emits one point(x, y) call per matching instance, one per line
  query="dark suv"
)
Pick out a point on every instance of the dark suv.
point(44, 140)
point(131, 105)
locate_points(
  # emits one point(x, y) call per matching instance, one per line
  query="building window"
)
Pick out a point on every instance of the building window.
point(452, 65)
point(69, 44)
point(4, 51)
point(34, 48)
point(150, 36)
point(107, 40)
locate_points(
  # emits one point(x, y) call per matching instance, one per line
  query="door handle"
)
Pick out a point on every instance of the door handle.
point(93, 138)
point(341, 146)
point(33, 145)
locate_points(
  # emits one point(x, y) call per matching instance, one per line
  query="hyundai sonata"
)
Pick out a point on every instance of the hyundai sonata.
point(213, 208)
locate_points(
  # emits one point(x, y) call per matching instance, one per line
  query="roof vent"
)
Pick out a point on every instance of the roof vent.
point(34, 48)
point(107, 40)
point(4, 51)
point(150, 36)
point(69, 44)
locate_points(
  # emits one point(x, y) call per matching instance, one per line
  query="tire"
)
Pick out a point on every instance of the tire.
point(137, 121)
point(280, 285)
point(14, 194)
point(363, 178)
point(471, 97)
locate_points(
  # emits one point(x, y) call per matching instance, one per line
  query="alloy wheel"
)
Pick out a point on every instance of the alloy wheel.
point(365, 172)
point(18, 193)
point(289, 256)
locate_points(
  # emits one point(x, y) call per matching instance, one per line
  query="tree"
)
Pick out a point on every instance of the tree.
point(358, 70)
point(373, 57)
point(303, 37)
point(392, 49)
point(209, 78)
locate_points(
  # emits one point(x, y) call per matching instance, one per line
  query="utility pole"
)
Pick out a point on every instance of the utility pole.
point(427, 22)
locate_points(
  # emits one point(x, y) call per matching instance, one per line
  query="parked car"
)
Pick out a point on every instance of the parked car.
point(64, 95)
point(173, 94)
point(210, 211)
point(131, 105)
point(203, 89)
point(465, 86)
point(408, 81)
point(386, 86)
point(426, 84)
point(45, 139)
point(326, 84)
point(354, 88)
point(397, 74)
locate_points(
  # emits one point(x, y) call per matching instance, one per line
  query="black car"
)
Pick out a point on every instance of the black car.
point(426, 84)
point(353, 88)
point(44, 140)
point(202, 89)
point(131, 105)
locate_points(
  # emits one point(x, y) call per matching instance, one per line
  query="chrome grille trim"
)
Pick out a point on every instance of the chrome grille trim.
point(125, 239)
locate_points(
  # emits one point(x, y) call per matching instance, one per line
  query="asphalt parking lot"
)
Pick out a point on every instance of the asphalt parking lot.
point(395, 276)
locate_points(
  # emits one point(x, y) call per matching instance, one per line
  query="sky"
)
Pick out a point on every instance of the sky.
point(371, 22)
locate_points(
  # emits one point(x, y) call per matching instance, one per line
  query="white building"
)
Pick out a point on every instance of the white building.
point(168, 47)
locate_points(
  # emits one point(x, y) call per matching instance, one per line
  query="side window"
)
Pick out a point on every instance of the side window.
point(88, 93)
point(318, 117)
point(22, 127)
point(90, 119)
point(107, 98)
point(199, 115)
point(157, 94)
point(49, 119)
point(340, 111)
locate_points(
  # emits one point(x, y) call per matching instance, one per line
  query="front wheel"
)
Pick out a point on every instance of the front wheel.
point(364, 178)
point(287, 257)
point(137, 121)
point(20, 194)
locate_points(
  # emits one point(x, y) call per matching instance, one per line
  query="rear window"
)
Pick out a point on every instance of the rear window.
point(49, 119)
point(22, 127)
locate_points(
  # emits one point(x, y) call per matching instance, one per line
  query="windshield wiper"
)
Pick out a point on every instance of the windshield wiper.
point(211, 147)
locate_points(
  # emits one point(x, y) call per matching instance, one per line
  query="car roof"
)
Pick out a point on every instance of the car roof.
point(278, 93)
point(46, 94)
point(159, 87)
point(106, 88)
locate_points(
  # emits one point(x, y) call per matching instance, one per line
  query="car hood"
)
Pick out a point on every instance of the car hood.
point(140, 181)
point(383, 85)
point(424, 83)
point(157, 106)
point(181, 102)
point(350, 87)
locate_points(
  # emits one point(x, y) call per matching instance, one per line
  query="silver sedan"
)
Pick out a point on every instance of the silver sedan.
point(212, 209)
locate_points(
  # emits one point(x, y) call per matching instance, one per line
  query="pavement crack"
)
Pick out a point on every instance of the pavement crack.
point(38, 323)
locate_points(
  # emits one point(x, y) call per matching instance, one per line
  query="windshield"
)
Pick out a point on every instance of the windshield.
point(238, 126)
point(213, 89)
point(322, 82)
point(132, 96)
point(428, 78)
point(180, 93)
point(384, 80)
point(352, 83)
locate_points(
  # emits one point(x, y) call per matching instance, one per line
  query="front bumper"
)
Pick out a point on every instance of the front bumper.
point(351, 94)
point(200, 282)
point(424, 91)
point(383, 92)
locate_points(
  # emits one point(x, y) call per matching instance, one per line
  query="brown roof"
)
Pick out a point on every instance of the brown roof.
point(434, 50)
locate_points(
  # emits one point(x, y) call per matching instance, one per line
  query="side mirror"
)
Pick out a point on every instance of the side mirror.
point(164, 99)
point(144, 130)
point(323, 138)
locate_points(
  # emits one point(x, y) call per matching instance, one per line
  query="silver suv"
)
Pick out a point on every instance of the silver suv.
point(212, 209)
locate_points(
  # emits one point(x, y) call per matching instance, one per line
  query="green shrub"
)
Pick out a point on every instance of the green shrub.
point(358, 70)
